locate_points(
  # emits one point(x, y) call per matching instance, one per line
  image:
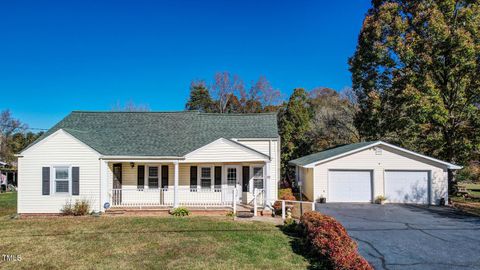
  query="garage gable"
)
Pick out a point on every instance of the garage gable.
point(380, 156)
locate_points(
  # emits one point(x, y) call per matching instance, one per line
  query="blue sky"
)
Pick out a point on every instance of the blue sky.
point(59, 56)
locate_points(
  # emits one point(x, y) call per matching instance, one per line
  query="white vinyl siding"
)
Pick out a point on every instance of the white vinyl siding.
point(223, 150)
point(268, 147)
point(306, 177)
point(58, 149)
point(390, 159)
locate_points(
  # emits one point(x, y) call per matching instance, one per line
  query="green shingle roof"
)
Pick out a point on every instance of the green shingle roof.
point(161, 133)
point(329, 153)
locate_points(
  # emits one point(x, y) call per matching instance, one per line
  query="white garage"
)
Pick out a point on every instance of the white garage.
point(360, 172)
point(350, 186)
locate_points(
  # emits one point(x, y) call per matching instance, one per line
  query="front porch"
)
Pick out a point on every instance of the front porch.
point(170, 184)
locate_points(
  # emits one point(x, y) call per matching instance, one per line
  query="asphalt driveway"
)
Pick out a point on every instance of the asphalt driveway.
point(409, 236)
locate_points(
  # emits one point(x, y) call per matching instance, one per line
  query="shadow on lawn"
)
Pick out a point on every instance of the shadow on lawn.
point(300, 247)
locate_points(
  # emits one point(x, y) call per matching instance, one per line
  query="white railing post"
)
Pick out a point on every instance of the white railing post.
point(283, 210)
point(313, 206)
point(175, 185)
point(234, 201)
point(254, 202)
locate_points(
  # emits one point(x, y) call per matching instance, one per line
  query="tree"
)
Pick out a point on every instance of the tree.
point(332, 123)
point(199, 98)
point(21, 140)
point(262, 97)
point(224, 87)
point(8, 127)
point(130, 106)
point(416, 74)
point(230, 95)
point(294, 126)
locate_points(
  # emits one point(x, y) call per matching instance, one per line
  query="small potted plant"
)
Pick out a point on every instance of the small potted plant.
point(322, 199)
point(380, 199)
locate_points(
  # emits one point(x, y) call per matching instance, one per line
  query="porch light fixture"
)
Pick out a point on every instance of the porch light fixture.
point(132, 164)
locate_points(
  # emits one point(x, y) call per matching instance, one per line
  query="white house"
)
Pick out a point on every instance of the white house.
point(362, 171)
point(158, 159)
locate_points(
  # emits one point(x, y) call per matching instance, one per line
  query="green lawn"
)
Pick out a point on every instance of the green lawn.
point(143, 242)
point(8, 203)
point(473, 189)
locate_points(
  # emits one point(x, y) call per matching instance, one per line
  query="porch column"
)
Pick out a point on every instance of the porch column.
point(105, 191)
point(266, 187)
point(175, 185)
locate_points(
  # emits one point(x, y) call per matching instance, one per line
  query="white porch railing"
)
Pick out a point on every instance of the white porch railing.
point(299, 207)
point(258, 199)
point(165, 197)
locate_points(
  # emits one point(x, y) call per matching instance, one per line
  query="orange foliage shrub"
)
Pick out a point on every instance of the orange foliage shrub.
point(329, 240)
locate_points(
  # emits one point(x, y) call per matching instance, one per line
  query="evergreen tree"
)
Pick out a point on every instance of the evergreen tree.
point(200, 98)
point(294, 126)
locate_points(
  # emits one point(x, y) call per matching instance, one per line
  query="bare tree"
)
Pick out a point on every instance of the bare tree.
point(261, 96)
point(269, 96)
point(130, 106)
point(8, 127)
point(224, 87)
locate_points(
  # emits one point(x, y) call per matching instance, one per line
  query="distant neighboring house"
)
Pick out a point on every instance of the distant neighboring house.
point(360, 172)
point(151, 159)
point(8, 172)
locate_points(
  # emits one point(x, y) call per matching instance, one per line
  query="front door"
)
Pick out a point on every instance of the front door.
point(233, 179)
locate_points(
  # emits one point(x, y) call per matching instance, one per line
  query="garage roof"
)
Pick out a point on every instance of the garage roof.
point(339, 151)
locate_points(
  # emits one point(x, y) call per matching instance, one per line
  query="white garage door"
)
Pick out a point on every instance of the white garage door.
point(406, 186)
point(349, 186)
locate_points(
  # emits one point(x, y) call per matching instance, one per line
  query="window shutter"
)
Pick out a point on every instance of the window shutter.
point(193, 177)
point(218, 176)
point(45, 180)
point(164, 176)
point(75, 180)
point(140, 176)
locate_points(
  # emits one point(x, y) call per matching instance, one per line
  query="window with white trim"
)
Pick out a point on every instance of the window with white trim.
point(152, 177)
point(231, 177)
point(258, 177)
point(206, 178)
point(62, 179)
